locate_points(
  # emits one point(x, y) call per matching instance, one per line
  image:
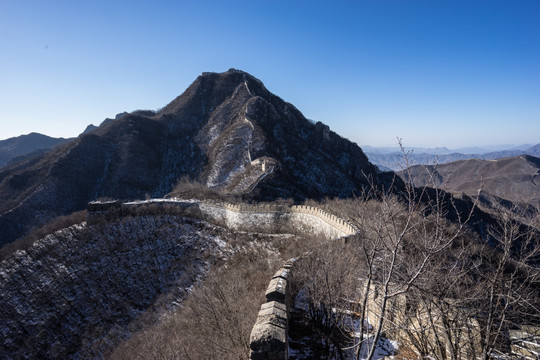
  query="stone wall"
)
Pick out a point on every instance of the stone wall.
point(415, 325)
point(305, 220)
point(265, 218)
point(269, 336)
point(525, 342)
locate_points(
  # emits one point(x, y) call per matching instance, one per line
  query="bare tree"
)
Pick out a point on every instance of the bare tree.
point(400, 238)
point(511, 296)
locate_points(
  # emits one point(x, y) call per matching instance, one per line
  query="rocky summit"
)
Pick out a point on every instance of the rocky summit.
point(226, 131)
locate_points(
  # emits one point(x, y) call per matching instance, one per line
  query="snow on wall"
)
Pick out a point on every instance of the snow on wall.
point(264, 218)
point(268, 221)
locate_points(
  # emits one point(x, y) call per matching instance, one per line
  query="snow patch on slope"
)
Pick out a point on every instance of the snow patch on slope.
point(80, 291)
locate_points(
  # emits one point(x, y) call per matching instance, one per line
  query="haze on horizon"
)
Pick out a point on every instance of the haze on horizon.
point(454, 74)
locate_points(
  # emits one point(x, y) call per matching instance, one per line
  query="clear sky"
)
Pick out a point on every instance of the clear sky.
point(435, 73)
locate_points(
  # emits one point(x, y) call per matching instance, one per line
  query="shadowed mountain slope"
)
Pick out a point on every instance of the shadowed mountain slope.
point(78, 292)
point(226, 130)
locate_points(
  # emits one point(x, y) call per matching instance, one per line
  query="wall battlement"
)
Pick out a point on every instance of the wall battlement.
point(267, 218)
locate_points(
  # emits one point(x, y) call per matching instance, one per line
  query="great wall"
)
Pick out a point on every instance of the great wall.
point(263, 218)
point(269, 336)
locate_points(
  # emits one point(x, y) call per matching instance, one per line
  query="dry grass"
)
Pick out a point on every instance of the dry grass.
point(187, 188)
point(216, 319)
point(214, 322)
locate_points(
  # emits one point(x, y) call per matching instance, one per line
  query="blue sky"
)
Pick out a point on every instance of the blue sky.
point(435, 73)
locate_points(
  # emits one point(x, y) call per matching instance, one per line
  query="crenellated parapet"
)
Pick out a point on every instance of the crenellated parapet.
point(264, 218)
point(342, 225)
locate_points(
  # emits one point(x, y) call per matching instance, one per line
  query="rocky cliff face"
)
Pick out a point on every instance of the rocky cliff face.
point(226, 130)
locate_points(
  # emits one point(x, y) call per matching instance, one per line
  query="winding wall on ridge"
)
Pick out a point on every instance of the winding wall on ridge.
point(264, 218)
point(269, 336)
point(269, 218)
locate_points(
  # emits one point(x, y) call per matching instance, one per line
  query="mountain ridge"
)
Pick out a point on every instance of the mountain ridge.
point(226, 130)
point(395, 161)
point(20, 147)
point(515, 180)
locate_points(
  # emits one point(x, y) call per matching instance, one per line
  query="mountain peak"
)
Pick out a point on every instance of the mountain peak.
point(210, 89)
point(226, 131)
point(233, 73)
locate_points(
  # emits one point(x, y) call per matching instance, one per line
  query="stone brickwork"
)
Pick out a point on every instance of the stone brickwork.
point(269, 336)
point(265, 218)
point(269, 218)
point(414, 323)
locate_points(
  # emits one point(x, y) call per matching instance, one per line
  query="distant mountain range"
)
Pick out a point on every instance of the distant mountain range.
point(23, 147)
point(16, 148)
point(509, 182)
point(392, 159)
point(444, 150)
